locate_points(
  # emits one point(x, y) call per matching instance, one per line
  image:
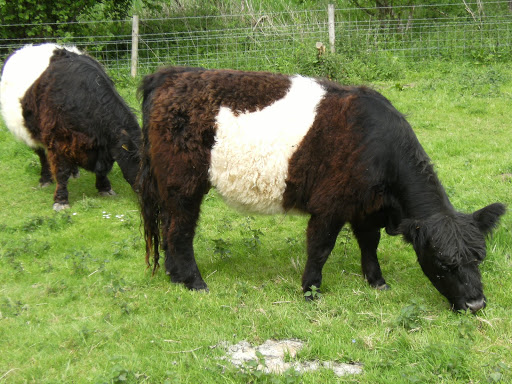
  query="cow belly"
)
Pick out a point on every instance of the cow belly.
point(249, 160)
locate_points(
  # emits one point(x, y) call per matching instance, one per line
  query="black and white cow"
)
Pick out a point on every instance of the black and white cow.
point(271, 143)
point(61, 103)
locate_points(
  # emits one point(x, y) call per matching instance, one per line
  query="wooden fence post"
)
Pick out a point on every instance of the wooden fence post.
point(332, 38)
point(135, 44)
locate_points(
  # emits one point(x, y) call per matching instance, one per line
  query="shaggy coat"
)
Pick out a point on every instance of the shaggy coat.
point(61, 103)
point(271, 143)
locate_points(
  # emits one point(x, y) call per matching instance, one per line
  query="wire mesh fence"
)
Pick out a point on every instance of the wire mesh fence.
point(270, 40)
point(255, 41)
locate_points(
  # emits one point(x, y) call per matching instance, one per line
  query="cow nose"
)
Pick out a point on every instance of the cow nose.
point(476, 305)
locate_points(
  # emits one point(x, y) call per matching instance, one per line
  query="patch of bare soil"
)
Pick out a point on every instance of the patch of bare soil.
point(279, 357)
point(506, 176)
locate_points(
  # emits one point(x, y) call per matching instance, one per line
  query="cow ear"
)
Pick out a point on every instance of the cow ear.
point(413, 232)
point(487, 218)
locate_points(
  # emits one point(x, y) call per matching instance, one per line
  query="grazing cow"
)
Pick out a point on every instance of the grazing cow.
point(271, 143)
point(62, 104)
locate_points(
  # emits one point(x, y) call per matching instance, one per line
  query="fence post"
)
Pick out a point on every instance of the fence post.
point(135, 44)
point(332, 38)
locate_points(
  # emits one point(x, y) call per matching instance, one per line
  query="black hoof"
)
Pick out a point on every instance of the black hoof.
point(107, 193)
point(57, 207)
point(382, 287)
point(198, 286)
point(195, 285)
point(380, 284)
point(44, 184)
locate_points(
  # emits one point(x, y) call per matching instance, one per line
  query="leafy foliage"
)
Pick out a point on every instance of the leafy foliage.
point(52, 18)
point(314, 293)
point(410, 316)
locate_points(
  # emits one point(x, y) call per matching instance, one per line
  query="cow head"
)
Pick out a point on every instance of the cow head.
point(450, 248)
point(126, 153)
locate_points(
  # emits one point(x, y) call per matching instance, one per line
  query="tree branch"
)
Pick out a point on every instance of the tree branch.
point(364, 9)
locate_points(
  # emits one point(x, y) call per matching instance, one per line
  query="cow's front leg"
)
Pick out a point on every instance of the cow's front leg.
point(368, 240)
point(46, 174)
point(103, 166)
point(62, 171)
point(180, 262)
point(103, 185)
point(321, 238)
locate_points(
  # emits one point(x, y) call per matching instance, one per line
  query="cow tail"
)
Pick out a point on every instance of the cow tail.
point(149, 197)
point(150, 209)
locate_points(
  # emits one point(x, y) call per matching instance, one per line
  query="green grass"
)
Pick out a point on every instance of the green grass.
point(78, 305)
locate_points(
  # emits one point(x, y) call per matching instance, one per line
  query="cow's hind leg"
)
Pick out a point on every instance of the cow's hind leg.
point(46, 174)
point(321, 238)
point(368, 240)
point(180, 262)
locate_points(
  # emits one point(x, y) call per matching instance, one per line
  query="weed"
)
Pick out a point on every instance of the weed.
point(16, 265)
point(251, 236)
point(53, 223)
point(241, 289)
point(292, 241)
point(410, 316)
point(82, 262)
point(253, 241)
point(56, 288)
point(448, 361)
point(85, 333)
point(224, 224)
point(88, 203)
point(28, 247)
point(121, 248)
point(47, 268)
point(10, 308)
point(466, 326)
point(221, 248)
point(314, 293)
point(126, 308)
point(116, 287)
point(411, 375)
point(290, 376)
point(499, 374)
point(252, 370)
point(13, 254)
point(119, 375)
point(344, 239)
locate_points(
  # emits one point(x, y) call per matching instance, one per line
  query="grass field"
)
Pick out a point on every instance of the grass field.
point(77, 304)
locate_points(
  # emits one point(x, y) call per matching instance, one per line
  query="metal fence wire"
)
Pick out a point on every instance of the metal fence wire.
point(269, 40)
